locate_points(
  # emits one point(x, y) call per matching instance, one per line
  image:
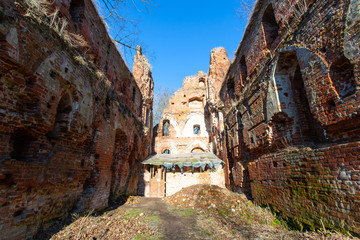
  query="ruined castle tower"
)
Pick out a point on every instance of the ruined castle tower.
point(185, 124)
point(183, 144)
point(183, 127)
point(143, 77)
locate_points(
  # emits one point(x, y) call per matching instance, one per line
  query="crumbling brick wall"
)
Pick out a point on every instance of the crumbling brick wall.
point(67, 99)
point(291, 111)
point(175, 132)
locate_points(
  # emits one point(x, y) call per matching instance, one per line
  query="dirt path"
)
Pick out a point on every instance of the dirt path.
point(199, 212)
point(173, 225)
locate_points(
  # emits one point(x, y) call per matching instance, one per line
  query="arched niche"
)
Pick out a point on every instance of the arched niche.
point(270, 26)
point(166, 128)
point(243, 71)
point(197, 149)
point(293, 121)
point(195, 102)
point(195, 120)
point(77, 8)
point(342, 76)
point(62, 118)
point(120, 162)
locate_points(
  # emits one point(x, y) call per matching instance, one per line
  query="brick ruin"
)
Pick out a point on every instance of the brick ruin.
point(290, 107)
point(284, 115)
point(184, 126)
point(184, 132)
point(67, 101)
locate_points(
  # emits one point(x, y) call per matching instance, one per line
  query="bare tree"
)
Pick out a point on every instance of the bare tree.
point(122, 28)
point(245, 9)
point(161, 101)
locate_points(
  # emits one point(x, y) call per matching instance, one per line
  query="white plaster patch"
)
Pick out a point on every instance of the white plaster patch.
point(188, 130)
point(12, 39)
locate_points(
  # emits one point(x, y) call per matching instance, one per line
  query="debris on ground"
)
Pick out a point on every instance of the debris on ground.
point(229, 215)
point(132, 200)
point(199, 212)
point(115, 224)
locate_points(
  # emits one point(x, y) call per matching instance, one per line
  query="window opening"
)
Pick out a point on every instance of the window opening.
point(166, 126)
point(196, 129)
point(77, 8)
point(270, 26)
point(243, 70)
point(62, 117)
point(133, 94)
point(342, 76)
point(231, 88)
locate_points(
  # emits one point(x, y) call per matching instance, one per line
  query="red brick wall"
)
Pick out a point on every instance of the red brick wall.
point(301, 92)
point(311, 185)
point(60, 109)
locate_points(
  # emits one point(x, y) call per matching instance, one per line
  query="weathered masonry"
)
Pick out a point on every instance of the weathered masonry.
point(291, 112)
point(183, 141)
point(67, 99)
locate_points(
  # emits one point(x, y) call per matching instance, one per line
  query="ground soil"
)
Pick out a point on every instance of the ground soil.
point(198, 212)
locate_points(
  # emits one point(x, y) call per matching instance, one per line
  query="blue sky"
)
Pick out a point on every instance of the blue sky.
point(179, 36)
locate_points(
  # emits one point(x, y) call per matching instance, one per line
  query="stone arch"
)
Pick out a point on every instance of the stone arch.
point(197, 144)
point(166, 151)
point(270, 26)
point(195, 102)
point(197, 149)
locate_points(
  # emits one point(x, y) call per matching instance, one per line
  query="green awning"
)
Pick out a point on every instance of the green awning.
point(184, 160)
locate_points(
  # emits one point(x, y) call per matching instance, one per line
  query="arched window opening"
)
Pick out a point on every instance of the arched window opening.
point(107, 107)
point(294, 101)
point(196, 102)
point(166, 151)
point(166, 126)
point(243, 71)
point(240, 125)
point(270, 26)
point(133, 94)
point(147, 118)
point(120, 158)
point(62, 117)
point(202, 82)
point(197, 129)
point(342, 76)
point(77, 8)
point(24, 146)
point(197, 149)
point(231, 88)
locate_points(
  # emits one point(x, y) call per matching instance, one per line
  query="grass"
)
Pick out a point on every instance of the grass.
point(132, 213)
point(146, 237)
point(183, 211)
point(43, 12)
